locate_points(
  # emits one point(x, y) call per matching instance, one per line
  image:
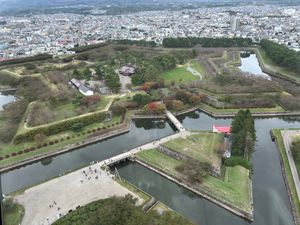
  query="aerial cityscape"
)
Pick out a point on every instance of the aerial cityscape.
point(58, 33)
point(150, 113)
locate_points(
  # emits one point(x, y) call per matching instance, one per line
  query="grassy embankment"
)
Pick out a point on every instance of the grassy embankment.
point(233, 188)
point(253, 110)
point(287, 170)
point(270, 65)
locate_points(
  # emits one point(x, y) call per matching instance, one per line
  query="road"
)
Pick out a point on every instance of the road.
point(287, 136)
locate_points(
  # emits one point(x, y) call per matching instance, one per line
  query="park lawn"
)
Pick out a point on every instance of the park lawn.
point(269, 64)
point(289, 177)
point(235, 188)
point(198, 66)
point(12, 212)
point(252, 110)
point(202, 147)
point(70, 107)
point(75, 138)
point(179, 75)
point(159, 160)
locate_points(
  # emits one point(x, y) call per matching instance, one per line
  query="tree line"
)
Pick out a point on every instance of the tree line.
point(190, 42)
point(243, 134)
point(282, 55)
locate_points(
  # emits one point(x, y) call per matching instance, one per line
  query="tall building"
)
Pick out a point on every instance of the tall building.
point(235, 24)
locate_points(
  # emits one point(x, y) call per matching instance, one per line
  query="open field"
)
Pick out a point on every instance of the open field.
point(288, 173)
point(234, 189)
point(61, 111)
point(179, 75)
point(202, 147)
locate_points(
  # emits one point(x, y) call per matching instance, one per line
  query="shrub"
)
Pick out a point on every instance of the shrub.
point(1, 158)
point(98, 129)
point(13, 154)
point(62, 139)
point(7, 156)
point(20, 152)
point(56, 141)
point(45, 145)
point(51, 143)
point(68, 137)
point(39, 146)
point(236, 160)
point(26, 150)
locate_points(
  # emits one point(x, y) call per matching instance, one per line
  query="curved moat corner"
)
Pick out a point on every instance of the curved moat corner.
point(271, 203)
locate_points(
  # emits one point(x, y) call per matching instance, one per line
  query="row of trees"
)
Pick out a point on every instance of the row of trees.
point(38, 57)
point(189, 42)
point(142, 43)
point(281, 55)
point(243, 134)
point(119, 211)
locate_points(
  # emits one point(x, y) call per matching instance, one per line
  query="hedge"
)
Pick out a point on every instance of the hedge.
point(236, 160)
point(59, 127)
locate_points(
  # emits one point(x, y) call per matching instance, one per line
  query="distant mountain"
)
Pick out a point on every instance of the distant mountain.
point(16, 6)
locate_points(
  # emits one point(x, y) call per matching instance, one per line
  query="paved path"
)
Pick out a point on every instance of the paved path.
point(150, 145)
point(194, 72)
point(287, 136)
point(175, 121)
point(46, 202)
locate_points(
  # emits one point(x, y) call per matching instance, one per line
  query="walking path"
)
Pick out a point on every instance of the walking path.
point(194, 72)
point(287, 136)
point(150, 145)
point(47, 202)
point(175, 121)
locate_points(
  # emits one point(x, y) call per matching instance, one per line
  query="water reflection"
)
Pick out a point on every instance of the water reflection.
point(250, 64)
point(5, 98)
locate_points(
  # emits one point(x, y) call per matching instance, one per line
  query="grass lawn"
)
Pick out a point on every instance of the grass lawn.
point(287, 169)
point(202, 147)
point(12, 212)
point(253, 110)
point(7, 149)
point(197, 66)
point(234, 189)
point(159, 160)
point(68, 110)
point(179, 75)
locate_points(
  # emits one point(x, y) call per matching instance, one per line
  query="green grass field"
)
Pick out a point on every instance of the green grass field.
point(159, 160)
point(179, 75)
point(197, 66)
point(234, 189)
point(202, 147)
point(287, 169)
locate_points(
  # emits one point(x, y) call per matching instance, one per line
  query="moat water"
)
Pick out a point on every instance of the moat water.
point(271, 202)
point(250, 64)
point(5, 98)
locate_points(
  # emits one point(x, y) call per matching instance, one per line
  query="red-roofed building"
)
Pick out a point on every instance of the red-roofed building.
point(221, 129)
